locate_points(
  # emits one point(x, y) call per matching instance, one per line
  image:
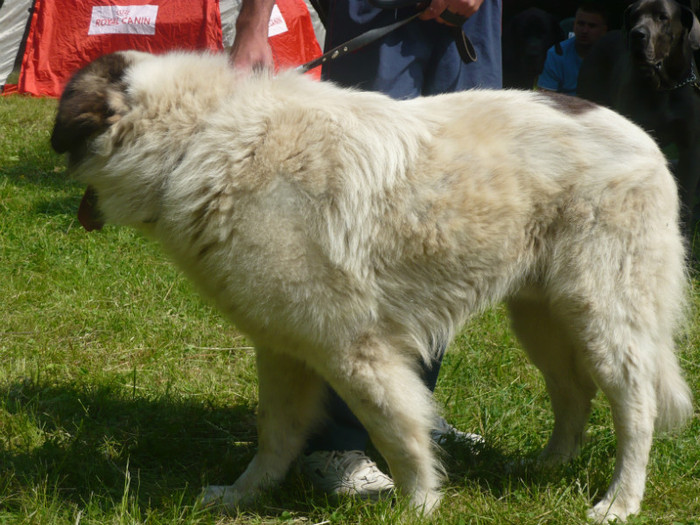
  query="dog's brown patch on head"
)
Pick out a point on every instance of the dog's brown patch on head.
point(567, 103)
point(93, 100)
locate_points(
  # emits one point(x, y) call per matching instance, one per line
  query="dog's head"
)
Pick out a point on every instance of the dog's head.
point(94, 100)
point(125, 121)
point(661, 35)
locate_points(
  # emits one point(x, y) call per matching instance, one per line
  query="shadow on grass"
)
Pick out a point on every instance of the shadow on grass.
point(53, 193)
point(499, 473)
point(80, 442)
point(38, 165)
point(60, 206)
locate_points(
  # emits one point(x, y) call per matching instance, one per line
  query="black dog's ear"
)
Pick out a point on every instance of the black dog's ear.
point(93, 100)
point(690, 22)
point(626, 17)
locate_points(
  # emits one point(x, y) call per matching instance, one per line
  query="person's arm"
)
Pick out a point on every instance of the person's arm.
point(251, 48)
point(463, 8)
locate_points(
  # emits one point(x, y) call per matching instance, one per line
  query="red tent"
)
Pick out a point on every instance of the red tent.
point(291, 35)
point(65, 35)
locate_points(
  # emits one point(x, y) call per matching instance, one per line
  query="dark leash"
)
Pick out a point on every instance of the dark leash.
point(466, 50)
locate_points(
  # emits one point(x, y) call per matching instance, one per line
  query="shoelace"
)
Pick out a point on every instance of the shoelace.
point(344, 461)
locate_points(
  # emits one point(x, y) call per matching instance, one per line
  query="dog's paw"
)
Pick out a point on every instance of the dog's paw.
point(425, 503)
point(606, 512)
point(552, 460)
point(220, 497)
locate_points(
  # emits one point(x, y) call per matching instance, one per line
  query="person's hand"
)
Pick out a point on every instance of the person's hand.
point(251, 50)
point(463, 8)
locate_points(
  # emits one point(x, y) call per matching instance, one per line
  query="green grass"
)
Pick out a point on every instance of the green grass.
point(122, 392)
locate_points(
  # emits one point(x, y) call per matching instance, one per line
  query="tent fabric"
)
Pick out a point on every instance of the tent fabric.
point(229, 12)
point(291, 36)
point(65, 35)
point(14, 15)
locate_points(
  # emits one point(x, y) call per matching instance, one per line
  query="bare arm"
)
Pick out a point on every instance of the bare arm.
point(250, 47)
point(465, 8)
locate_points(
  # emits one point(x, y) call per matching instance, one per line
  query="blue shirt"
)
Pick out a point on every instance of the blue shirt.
point(560, 72)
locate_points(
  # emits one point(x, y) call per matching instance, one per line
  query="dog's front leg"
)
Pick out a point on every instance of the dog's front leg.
point(384, 390)
point(290, 402)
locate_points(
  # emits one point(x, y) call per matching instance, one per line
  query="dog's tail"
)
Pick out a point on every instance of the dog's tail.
point(673, 398)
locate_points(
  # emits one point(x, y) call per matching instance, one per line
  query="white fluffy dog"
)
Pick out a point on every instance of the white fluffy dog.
point(343, 231)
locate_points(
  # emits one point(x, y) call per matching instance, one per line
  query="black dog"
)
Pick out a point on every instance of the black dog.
point(526, 38)
point(648, 74)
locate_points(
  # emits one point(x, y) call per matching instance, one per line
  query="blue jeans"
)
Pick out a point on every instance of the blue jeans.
point(419, 58)
point(342, 430)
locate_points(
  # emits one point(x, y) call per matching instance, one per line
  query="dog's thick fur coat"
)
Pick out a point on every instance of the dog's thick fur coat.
point(344, 232)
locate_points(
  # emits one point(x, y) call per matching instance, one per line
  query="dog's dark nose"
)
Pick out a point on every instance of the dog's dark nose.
point(639, 34)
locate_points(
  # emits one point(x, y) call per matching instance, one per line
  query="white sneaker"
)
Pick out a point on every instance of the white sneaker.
point(444, 433)
point(348, 472)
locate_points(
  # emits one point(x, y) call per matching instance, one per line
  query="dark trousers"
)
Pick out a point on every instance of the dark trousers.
point(342, 430)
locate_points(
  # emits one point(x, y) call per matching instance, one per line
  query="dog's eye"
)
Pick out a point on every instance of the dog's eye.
point(662, 17)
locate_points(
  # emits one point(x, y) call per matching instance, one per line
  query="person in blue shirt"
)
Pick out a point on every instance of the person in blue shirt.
point(418, 59)
point(562, 65)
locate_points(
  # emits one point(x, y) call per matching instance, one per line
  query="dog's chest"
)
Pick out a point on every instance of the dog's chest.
point(671, 116)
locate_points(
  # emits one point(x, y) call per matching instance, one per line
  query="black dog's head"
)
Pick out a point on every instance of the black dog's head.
point(526, 38)
point(661, 35)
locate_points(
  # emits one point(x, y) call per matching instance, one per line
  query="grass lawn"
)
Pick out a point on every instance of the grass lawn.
point(122, 392)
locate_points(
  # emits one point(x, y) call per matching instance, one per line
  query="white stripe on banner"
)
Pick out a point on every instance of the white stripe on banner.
point(277, 25)
point(128, 19)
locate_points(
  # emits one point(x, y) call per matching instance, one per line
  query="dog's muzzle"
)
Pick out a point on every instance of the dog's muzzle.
point(641, 49)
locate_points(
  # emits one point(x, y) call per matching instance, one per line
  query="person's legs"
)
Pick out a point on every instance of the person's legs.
point(334, 459)
point(392, 65)
point(444, 70)
point(342, 430)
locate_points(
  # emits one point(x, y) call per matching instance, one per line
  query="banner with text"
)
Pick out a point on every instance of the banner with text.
point(65, 35)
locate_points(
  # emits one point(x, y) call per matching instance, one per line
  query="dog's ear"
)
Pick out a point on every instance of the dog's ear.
point(93, 100)
point(626, 18)
point(690, 22)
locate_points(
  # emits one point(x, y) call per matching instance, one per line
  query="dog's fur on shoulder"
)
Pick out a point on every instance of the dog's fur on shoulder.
point(345, 231)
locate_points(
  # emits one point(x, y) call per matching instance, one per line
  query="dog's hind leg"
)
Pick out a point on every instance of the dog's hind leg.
point(383, 388)
point(290, 402)
point(569, 384)
point(626, 348)
point(625, 372)
point(582, 339)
